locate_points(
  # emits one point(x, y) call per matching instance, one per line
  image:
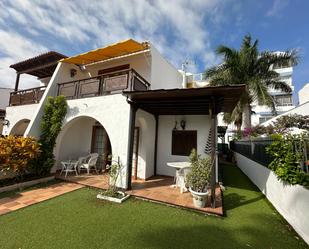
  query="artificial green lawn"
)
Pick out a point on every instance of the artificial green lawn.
point(79, 220)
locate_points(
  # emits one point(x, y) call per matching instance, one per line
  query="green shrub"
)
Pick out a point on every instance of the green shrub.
point(54, 112)
point(288, 154)
point(199, 177)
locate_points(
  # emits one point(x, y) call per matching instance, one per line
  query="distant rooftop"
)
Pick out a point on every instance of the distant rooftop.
point(40, 66)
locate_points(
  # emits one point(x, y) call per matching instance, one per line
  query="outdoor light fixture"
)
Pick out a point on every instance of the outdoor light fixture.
point(82, 68)
point(6, 122)
point(73, 72)
point(183, 124)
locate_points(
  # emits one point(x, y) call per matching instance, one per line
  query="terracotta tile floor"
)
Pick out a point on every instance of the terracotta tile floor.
point(156, 189)
point(91, 180)
point(24, 199)
point(159, 189)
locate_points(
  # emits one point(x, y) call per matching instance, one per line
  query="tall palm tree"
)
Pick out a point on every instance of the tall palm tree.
point(254, 69)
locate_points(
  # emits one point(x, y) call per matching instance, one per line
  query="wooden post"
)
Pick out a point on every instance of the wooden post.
point(17, 82)
point(156, 146)
point(133, 109)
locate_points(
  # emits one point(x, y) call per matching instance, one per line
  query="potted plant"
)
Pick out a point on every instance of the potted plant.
point(198, 179)
point(113, 193)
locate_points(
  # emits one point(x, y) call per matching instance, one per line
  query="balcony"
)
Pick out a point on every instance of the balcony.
point(27, 96)
point(104, 84)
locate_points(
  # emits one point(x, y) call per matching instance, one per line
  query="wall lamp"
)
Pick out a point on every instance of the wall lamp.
point(6, 122)
point(73, 72)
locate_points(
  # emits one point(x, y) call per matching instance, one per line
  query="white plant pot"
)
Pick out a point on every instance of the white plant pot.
point(199, 199)
point(114, 199)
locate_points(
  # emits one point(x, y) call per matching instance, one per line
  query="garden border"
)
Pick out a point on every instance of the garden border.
point(26, 184)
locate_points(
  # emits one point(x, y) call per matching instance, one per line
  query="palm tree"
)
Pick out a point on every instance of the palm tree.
point(254, 69)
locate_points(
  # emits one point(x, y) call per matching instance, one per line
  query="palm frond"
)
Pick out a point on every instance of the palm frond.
point(279, 85)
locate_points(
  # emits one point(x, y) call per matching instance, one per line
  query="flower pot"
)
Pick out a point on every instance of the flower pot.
point(199, 198)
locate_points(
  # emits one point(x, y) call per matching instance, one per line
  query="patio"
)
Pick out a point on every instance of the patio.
point(156, 189)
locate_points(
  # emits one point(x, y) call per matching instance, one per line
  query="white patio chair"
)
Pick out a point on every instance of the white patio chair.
point(181, 178)
point(92, 163)
point(68, 167)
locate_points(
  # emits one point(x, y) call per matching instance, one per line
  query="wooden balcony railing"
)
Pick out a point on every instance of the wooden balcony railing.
point(27, 96)
point(103, 84)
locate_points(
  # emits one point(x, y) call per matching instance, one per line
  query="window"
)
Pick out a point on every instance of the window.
point(183, 142)
point(264, 119)
point(283, 100)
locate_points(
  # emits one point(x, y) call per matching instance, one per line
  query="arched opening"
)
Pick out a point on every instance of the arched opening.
point(80, 137)
point(20, 127)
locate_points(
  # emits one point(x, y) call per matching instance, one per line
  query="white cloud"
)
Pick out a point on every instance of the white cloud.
point(277, 7)
point(14, 48)
point(176, 28)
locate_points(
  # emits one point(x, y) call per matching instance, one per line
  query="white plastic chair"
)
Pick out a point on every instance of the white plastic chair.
point(69, 167)
point(181, 178)
point(92, 163)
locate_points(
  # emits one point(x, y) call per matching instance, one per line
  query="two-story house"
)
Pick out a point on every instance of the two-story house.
point(124, 99)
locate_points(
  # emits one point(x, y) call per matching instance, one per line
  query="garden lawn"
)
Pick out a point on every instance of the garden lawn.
point(79, 220)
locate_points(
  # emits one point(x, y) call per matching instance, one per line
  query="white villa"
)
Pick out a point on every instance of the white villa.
point(126, 100)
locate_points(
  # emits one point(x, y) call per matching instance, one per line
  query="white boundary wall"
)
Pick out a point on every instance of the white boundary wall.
point(291, 201)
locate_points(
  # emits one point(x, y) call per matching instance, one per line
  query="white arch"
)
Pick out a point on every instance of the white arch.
point(81, 146)
point(20, 127)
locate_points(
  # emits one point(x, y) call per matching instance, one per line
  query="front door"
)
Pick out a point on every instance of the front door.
point(100, 144)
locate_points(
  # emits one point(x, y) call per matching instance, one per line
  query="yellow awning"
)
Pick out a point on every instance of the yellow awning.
point(118, 49)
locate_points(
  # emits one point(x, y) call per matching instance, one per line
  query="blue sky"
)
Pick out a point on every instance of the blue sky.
point(179, 29)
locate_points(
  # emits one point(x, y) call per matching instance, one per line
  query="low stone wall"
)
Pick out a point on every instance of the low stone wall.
point(291, 201)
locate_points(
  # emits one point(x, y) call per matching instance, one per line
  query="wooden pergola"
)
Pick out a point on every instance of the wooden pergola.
point(41, 66)
point(194, 101)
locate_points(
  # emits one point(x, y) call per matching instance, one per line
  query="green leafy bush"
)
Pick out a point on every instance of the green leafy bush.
point(54, 112)
point(288, 153)
point(199, 177)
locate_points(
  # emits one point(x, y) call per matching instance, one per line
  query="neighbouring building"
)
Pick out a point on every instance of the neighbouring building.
point(303, 94)
point(126, 100)
point(4, 102)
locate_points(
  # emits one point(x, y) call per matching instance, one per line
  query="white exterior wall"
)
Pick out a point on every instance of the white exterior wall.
point(292, 202)
point(303, 94)
point(17, 113)
point(61, 74)
point(166, 124)
point(146, 123)
point(163, 74)
point(112, 111)
point(141, 63)
point(74, 140)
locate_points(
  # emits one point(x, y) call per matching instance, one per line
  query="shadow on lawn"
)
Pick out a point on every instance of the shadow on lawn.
point(250, 233)
point(233, 200)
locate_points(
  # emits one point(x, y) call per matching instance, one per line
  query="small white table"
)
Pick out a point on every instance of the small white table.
point(69, 166)
point(178, 166)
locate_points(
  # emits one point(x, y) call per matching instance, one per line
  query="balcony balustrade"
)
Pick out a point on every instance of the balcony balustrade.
point(104, 84)
point(27, 96)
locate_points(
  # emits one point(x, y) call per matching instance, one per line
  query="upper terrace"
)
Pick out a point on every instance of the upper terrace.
point(43, 67)
point(94, 73)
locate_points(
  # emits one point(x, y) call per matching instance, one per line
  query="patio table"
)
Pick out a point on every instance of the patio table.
point(178, 166)
point(69, 166)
